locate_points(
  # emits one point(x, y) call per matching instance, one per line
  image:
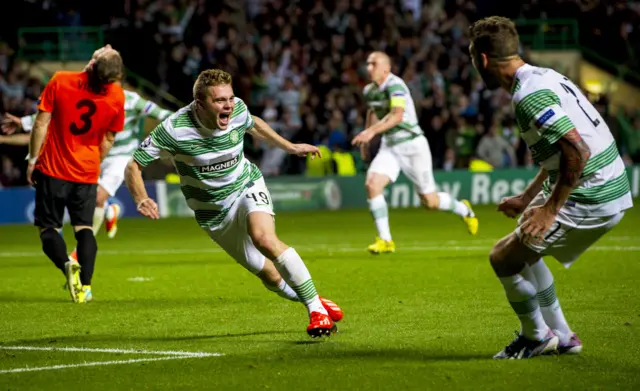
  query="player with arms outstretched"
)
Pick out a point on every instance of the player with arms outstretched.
point(579, 194)
point(392, 113)
point(227, 192)
point(79, 114)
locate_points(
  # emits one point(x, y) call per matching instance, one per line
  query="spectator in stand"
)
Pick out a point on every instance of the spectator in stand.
point(309, 56)
point(496, 150)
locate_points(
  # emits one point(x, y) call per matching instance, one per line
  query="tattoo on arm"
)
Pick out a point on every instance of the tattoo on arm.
point(575, 154)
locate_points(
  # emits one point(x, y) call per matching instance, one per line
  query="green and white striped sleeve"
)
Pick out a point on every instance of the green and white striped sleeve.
point(147, 108)
point(159, 144)
point(540, 111)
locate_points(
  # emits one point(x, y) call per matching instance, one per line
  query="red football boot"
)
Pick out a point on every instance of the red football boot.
point(335, 313)
point(321, 325)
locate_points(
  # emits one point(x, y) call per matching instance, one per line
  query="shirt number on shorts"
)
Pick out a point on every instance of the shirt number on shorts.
point(84, 117)
point(264, 198)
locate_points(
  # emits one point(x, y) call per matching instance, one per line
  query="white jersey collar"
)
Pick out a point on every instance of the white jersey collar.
point(384, 83)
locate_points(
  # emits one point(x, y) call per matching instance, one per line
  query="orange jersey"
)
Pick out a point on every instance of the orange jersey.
point(80, 120)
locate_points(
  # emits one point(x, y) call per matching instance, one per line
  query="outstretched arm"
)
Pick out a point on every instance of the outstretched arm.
point(262, 130)
point(20, 139)
point(12, 124)
point(155, 146)
point(133, 178)
point(147, 108)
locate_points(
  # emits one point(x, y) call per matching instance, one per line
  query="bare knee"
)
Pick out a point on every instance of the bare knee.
point(497, 254)
point(375, 185)
point(430, 201)
point(509, 255)
point(267, 243)
point(101, 197)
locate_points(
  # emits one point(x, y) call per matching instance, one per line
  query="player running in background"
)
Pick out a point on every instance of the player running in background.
point(78, 116)
point(391, 112)
point(227, 192)
point(580, 193)
point(112, 167)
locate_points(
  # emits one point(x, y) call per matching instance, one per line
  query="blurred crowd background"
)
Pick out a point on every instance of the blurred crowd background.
point(300, 65)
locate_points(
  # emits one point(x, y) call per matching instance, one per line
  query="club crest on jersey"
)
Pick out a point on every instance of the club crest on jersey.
point(220, 166)
point(234, 136)
point(146, 142)
point(544, 118)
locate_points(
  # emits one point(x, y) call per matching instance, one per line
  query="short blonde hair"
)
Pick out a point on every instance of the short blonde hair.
point(208, 78)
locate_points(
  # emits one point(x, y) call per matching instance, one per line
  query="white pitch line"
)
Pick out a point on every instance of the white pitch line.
point(170, 355)
point(90, 364)
point(109, 350)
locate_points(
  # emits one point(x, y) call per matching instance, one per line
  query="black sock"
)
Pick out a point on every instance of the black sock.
point(54, 247)
point(86, 250)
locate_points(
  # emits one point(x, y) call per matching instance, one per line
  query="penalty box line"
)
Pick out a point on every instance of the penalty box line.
point(169, 355)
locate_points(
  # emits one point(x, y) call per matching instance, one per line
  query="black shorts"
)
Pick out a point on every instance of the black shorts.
point(53, 195)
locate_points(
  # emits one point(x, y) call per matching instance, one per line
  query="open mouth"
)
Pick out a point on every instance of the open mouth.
point(224, 118)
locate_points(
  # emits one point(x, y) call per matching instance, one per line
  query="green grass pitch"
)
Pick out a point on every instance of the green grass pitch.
point(428, 317)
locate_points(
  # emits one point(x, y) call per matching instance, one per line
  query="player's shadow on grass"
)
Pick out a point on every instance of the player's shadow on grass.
point(70, 340)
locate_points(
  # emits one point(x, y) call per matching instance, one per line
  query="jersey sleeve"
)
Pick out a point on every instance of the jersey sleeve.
point(27, 122)
point(242, 115)
point(149, 109)
point(159, 144)
point(48, 96)
point(397, 96)
point(540, 111)
point(249, 122)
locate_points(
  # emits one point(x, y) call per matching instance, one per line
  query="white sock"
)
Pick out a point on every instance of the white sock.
point(450, 204)
point(295, 273)
point(528, 275)
point(98, 219)
point(283, 290)
point(549, 304)
point(522, 297)
point(380, 213)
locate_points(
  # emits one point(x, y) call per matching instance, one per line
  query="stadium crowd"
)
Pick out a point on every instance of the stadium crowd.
point(301, 66)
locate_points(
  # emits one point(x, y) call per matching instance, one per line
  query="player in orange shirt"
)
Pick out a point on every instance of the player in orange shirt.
point(78, 116)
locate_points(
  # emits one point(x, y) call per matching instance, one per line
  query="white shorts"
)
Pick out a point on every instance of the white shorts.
point(112, 173)
point(570, 236)
point(413, 158)
point(233, 235)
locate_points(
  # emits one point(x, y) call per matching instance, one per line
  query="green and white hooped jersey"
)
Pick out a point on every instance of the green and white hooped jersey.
point(547, 106)
point(381, 98)
point(211, 164)
point(135, 109)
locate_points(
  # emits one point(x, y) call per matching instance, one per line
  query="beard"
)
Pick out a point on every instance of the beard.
point(490, 80)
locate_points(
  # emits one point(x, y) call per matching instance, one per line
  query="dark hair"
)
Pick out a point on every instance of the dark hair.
point(106, 69)
point(495, 36)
